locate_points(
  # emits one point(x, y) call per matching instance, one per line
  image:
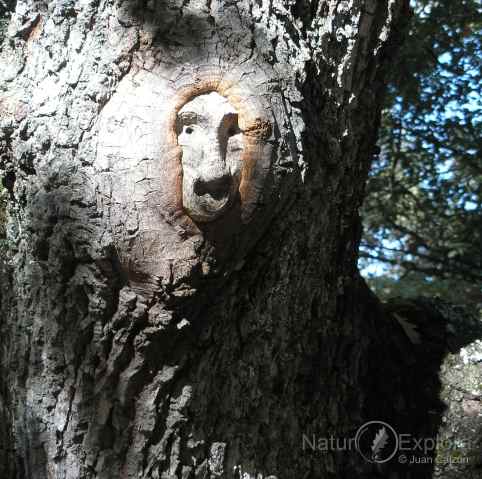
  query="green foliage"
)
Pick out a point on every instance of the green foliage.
point(416, 283)
point(422, 215)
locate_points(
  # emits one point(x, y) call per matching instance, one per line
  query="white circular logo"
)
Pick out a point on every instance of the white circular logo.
point(376, 441)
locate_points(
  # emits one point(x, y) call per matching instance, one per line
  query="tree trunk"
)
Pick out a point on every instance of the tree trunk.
point(181, 298)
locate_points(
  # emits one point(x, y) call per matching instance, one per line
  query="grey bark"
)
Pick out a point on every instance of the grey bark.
point(139, 343)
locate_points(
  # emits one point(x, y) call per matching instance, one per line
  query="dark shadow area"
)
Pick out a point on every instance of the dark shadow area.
point(171, 26)
point(7, 7)
point(405, 377)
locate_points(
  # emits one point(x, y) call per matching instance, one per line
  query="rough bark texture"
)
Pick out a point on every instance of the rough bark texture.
point(137, 342)
point(459, 448)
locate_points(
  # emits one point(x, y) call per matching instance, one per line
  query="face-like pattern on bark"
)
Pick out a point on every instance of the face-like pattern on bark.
point(183, 170)
point(212, 144)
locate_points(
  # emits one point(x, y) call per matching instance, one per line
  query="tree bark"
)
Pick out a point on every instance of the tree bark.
point(139, 341)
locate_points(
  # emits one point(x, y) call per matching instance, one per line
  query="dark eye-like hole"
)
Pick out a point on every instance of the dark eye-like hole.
point(189, 130)
point(231, 124)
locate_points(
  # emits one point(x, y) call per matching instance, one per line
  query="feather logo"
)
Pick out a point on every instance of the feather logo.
point(379, 443)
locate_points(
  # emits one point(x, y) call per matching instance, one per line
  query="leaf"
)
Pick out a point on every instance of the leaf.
point(410, 329)
point(379, 442)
